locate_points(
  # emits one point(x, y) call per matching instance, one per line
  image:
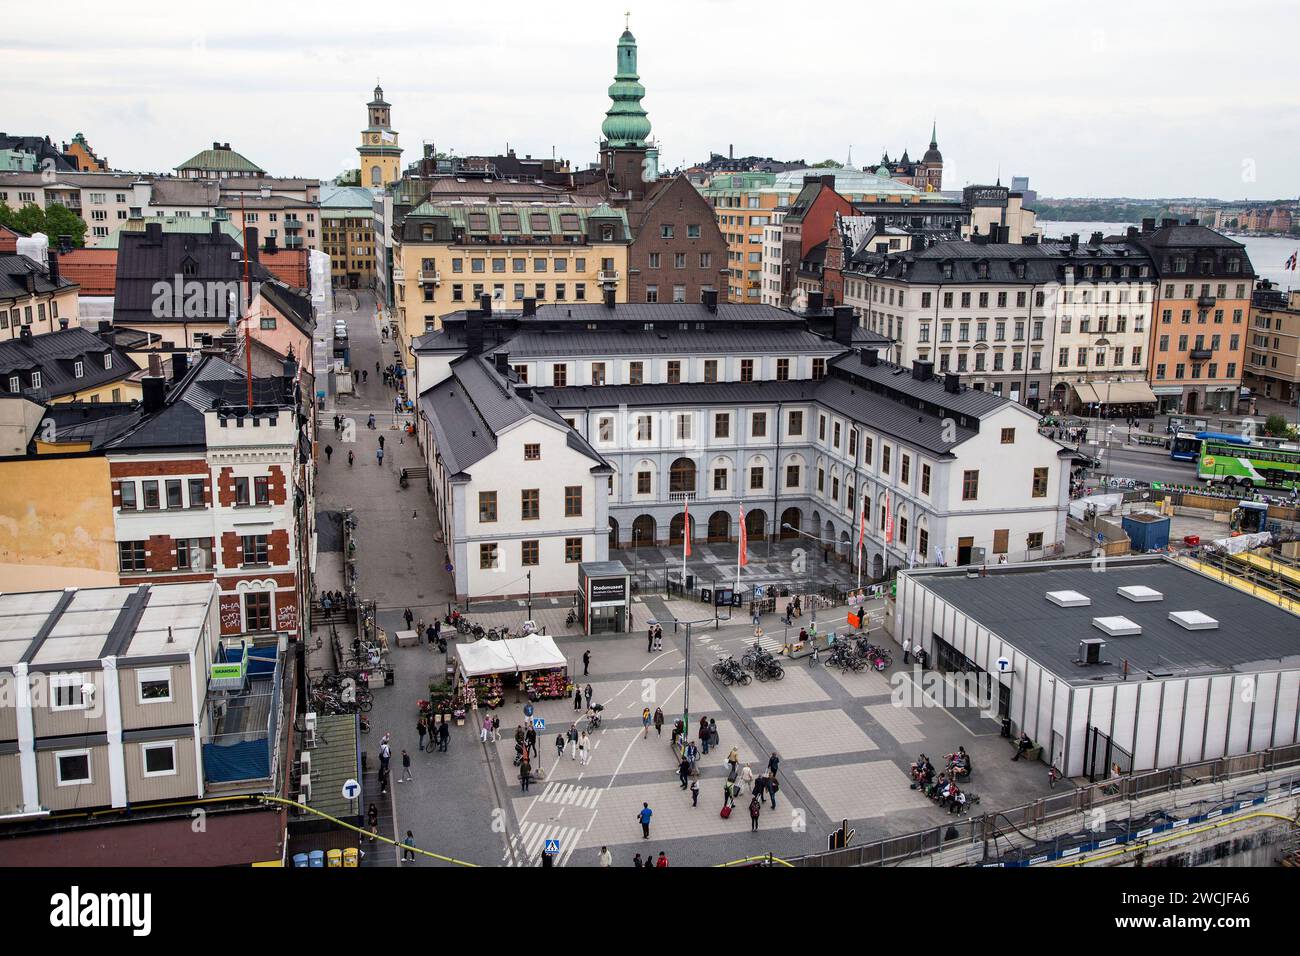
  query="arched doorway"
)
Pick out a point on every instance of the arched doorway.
point(1058, 395)
point(828, 535)
point(791, 519)
point(720, 526)
point(681, 476)
point(877, 567)
point(675, 528)
point(643, 532)
point(755, 525)
point(844, 543)
point(613, 534)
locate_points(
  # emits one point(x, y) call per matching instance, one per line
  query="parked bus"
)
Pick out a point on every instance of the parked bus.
point(1251, 466)
point(1186, 446)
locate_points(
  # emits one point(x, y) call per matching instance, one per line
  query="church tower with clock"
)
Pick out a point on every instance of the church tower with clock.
point(381, 157)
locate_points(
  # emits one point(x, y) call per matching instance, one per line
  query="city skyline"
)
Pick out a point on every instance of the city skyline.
point(149, 100)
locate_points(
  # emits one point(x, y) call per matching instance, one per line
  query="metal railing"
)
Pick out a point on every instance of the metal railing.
point(898, 849)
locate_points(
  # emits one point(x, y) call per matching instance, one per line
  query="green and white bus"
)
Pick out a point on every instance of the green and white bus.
point(1248, 466)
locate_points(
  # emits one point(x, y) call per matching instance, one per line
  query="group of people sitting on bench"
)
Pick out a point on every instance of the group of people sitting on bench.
point(944, 790)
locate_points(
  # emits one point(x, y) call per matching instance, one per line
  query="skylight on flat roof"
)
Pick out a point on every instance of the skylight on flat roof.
point(1117, 626)
point(1140, 593)
point(1193, 620)
point(1069, 598)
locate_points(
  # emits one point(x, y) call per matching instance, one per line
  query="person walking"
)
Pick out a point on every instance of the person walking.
point(773, 763)
point(644, 816)
point(381, 441)
point(525, 774)
point(520, 737)
point(684, 773)
point(422, 728)
point(329, 453)
point(746, 776)
point(370, 422)
point(409, 617)
point(695, 793)
point(692, 755)
point(385, 752)
point(406, 768)
point(650, 639)
point(713, 733)
point(587, 692)
point(444, 734)
point(584, 748)
point(577, 698)
point(559, 746)
point(573, 739)
point(586, 663)
point(379, 457)
point(772, 788)
point(704, 734)
point(659, 721)
point(365, 376)
point(486, 730)
point(408, 848)
point(645, 723)
point(530, 743)
point(383, 781)
point(604, 858)
point(732, 759)
point(907, 650)
point(372, 818)
point(350, 458)
point(755, 808)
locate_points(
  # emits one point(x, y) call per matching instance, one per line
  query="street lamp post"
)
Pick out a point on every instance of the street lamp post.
point(686, 683)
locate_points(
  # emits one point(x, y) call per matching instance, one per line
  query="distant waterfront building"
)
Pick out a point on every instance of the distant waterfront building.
point(925, 174)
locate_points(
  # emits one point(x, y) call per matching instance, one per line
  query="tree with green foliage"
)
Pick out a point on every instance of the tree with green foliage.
point(53, 222)
point(1276, 425)
point(827, 164)
point(349, 177)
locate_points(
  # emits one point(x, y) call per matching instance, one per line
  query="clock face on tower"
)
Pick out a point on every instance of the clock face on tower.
point(374, 137)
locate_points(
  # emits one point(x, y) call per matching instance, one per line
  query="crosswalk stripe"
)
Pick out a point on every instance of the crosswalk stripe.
point(532, 837)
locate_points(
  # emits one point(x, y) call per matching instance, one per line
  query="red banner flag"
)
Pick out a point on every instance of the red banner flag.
point(686, 531)
point(744, 538)
point(889, 520)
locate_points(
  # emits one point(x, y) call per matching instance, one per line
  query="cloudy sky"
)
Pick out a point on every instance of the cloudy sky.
point(1150, 98)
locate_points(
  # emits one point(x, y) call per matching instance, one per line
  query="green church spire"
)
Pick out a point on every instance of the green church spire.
point(626, 124)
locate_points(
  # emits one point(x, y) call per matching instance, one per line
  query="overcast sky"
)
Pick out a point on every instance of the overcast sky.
point(1149, 98)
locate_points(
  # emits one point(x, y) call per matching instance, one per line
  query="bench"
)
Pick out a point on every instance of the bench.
point(1034, 753)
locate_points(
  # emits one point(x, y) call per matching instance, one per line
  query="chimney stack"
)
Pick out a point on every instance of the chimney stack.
point(180, 365)
point(709, 296)
point(918, 242)
point(154, 391)
point(250, 240)
point(922, 370)
point(530, 306)
point(153, 232)
point(816, 303)
point(502, 361)
point(485, 303)
point(609, 298)
point(25, 336)
point(951, 383)
point(52, 266)
point(842, 329)
point(269, 246)
point(869, 357)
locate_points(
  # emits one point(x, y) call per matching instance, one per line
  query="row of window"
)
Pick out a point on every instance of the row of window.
point(1212, 370)
point(673, 372)
point(478, 289)
point(981, 329)
point(1234, 341)
point(24, 315)
point(530, 504)
point(489, 555)
point(654, 259)
point(1202, 316)
point(1220, 290)
point(1081, 356)
point(192, 554)
point(73, 767)
point(981, 362)
point(517, 264)
point(151, 493)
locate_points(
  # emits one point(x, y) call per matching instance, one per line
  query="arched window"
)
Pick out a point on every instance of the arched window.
point(681, 476)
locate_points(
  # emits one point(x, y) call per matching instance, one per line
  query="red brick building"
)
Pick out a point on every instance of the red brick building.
point(808, 224)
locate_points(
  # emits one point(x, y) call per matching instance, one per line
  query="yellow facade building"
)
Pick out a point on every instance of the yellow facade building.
point(450, 253)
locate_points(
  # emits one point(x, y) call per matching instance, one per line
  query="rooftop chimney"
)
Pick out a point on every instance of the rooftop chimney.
point(1074, 242)
point(609, 298)
point(153, 232)
point(52, 266)
point(26, 335)
point(922, 370)
point(842, 329)
point(474, 332)
point(154, 391)
point(951, 383)
point(709, 296)
point(65, 243)
point(216, 227)
point(1193, 222)
point(1168, 222)
point(918, 242)
point(269, 245)
point(1132, 232)
point(250, 239)
point(869, 357)
point(816, 302)
point(530, 306)
point(1096, 238)
point(485, 303)
point(180, 365)
point(502, 361)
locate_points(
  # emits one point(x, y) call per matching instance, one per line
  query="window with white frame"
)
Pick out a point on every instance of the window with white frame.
point(72, 767)
point(158, 759)
point(68, 692)
point(155, 685)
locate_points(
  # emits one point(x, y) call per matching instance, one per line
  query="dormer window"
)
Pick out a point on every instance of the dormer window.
point(36, 379)
point(108, 360)
point(15, 384)
point(189, 267)
point(78, 370)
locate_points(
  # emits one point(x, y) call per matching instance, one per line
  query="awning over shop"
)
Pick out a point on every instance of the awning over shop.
point(533, 653)
point(1114, 393)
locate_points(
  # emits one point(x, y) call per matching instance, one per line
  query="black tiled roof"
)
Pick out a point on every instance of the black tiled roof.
point(41, 148)
point(14, 270)
point(145, 258)
point(1042, 262)
point(54, 355)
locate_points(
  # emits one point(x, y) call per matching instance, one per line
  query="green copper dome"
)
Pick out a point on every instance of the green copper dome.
point(626, 123)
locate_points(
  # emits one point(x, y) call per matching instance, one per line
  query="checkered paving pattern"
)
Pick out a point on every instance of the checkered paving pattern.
point(797, 687)
point(857, 791)
point(901, 723)
point(863, 683)
point(814, 733)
